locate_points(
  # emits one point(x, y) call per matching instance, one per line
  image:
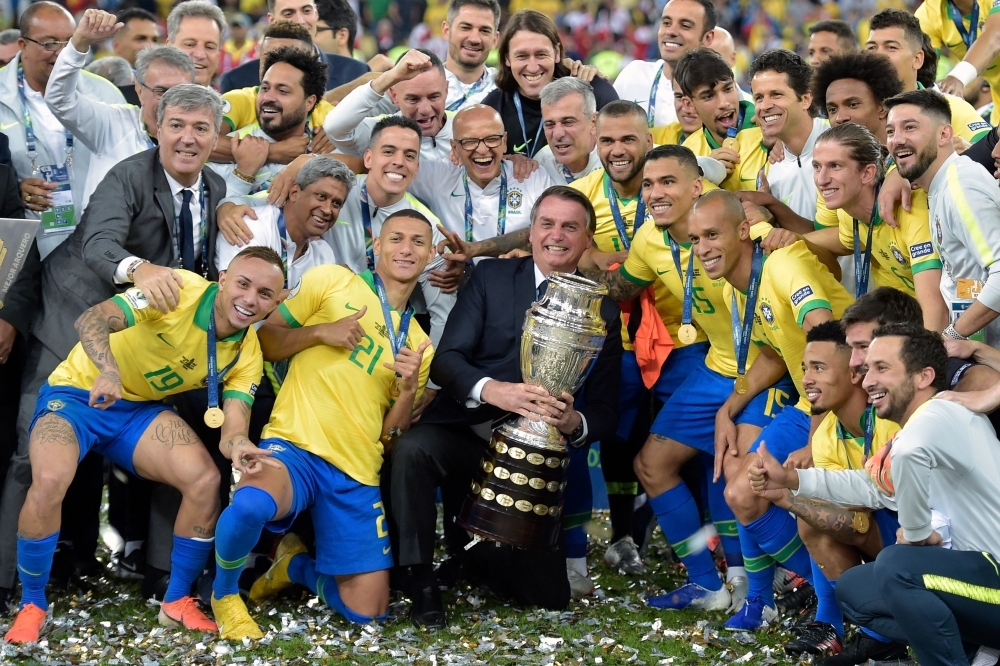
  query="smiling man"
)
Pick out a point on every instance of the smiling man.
point(139, 31)
point(569, 117)
point(829, 38)
point(196, 27)
point(472, 30)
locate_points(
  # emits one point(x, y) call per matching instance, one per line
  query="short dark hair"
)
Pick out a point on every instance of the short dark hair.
point(262, 252)
point(621, 108)
point(567, 193)
point(784, 62)
point(684, 156)
point(897, 18)
point(845, 34)
point(409, 214)
point(530, 21)
point(873, 69)
point(134, 14)
point(433, 57)
point(395, 120)
point(862, 146)
point(701, 67)
point(287, 30)
point(927, 74)
point(339, 15)
point(489, 5)
point(313, 69)
point(711, 15)
point(931, 103)
point(920, 349)
point(883, 306)
point(828, 331)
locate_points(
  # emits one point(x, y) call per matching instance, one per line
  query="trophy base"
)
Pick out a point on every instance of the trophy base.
point(517, 497)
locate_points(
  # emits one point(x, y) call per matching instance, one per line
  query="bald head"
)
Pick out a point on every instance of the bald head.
point(480, 142)
point(42, 13)
point(477, 116)
point(42, 22)
point(723, 44)
point(721, 205)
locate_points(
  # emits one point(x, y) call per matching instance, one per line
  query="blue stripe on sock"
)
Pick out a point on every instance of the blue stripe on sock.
point(679, 519)
point(34, 564)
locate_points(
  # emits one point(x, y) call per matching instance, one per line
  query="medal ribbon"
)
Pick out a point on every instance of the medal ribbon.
point(366, 220)
point(640, 214)
point(742, 330)
point(863, 262)
point(29, 130)
point(868, 420)
point(651, 107)
point(501, 208)
point(476, 87)
point(687, 280)
point(968, 36)
point(396, 340)
point(283, 242)
point(531, 149)
point(214, 376)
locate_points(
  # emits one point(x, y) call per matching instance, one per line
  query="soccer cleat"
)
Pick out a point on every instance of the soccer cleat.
point(623, 555)
point(27, 625)
point(797, 602)
point(692, 595)
point(234, 619)
point(131, 566)
point(753, 616)
point(740, 588)
point(786, 580)
point(863, 648)
point(819, 638)
point(276, 579)
point(580, 585)
point(185, 612)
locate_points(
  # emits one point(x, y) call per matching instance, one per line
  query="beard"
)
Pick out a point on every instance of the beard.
point(898, 401)
point(281, 125)
point(636, 170)
point(455, 51)
point(925, 158)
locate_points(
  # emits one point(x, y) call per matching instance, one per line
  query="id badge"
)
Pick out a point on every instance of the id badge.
point(61, 217)
point(958, 308)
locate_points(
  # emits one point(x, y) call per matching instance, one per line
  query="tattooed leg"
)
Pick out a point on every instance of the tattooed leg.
point(170, 452)
point(54, 454)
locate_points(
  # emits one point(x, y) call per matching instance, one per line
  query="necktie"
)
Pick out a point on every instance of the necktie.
point(541, 289)
point(187, 232)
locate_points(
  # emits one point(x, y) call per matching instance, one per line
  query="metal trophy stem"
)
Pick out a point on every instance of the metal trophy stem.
point(518, 495)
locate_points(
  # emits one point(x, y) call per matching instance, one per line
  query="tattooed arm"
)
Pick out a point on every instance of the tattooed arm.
point(95, 327)
point(828, 518)
point(494, 247)
point(620, 288)
point(235, 443)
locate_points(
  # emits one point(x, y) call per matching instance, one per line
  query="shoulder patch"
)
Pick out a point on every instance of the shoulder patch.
point(801, 295)
point(982, 124)
point(135, 298)
point(226, 106)
point(295, 289)
point(253, 389)
point(922, 249)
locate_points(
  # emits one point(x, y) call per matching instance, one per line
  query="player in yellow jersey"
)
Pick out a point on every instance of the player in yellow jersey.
point(728, 133)
point(774, 301)
point(662, 253)
point(107, 397)
point(358, 364)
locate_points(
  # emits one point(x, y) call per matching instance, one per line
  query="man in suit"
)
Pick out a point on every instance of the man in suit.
point(153, 212)
point(339, 69)
point(478, 368)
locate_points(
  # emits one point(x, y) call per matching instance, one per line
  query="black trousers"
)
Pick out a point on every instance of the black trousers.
point(428, 457)
point(941, 602)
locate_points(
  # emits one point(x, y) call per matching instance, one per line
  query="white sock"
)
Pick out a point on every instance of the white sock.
point(132, 546)
point(577, 564)
point(733, 572)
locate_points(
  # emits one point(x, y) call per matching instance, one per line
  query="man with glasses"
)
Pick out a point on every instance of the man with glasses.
point(112, 131)
point(51, 164)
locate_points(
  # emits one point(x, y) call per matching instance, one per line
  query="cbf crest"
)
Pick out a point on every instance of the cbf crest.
point(899, 256)
point(514, 199)
point(768, 313)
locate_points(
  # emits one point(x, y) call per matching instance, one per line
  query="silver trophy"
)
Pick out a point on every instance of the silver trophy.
point(517, 496)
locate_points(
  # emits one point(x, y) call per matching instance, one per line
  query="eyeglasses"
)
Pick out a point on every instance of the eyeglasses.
point(51, 47)
point(491, 141)
point(157, 92)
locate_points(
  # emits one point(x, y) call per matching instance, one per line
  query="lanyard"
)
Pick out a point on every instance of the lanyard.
point(366, 219)
point(687, 280)
point(968, 36)
point(283, 242)
point(868, 420)
point(742, 330)
point(640, 213)
point(651, 107)
point(204, 225)
point(396, 340)
point(29, 129)
point(533, 148)
point(567, 174)
point(214, 376)
point(473, 89)
point(863, 263)
point(501, 208)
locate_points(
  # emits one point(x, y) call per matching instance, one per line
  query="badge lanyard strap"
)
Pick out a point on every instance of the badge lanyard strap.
point(29, 130)
point(283, 242)
point(863, 262)
point(968, 36)
point(688, 278)
point(396, 340)
point(868, 417)
point(640, 215)
point(567, 174)
point(651, 107)
point(476, 87)
point(214, 376)
point(530, 150)
point(501, 209)
point(741, 331)
point(366, 219)
point(204, 226)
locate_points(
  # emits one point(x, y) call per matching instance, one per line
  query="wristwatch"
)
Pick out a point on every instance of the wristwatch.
point(576, 434)
point(862, 522)
point(951, 334)
point(130, 271)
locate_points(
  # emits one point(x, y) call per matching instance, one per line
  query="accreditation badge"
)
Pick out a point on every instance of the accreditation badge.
point(61, 216)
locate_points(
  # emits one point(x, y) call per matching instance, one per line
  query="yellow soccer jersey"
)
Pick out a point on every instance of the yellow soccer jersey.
point(836, 449)
point(793, 283)
point(333, 401)
point(753, 154)
point(163, 354)
point(595, 186)
point(650, 260)
point(897, 254)
point(965, 121)
point(239, 108)
point(668, 135)
point(936, 22)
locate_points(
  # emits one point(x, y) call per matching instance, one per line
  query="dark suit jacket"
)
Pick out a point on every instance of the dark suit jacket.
point(5, 151)
point(483, 339)
point(22, 297)
point(339, 70)
point(131, 213)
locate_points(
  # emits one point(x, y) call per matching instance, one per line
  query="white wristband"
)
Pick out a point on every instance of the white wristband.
point(965, 72)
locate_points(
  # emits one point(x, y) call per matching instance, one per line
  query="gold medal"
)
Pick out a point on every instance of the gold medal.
point(742, 385)
point(214, 417)
point(687, 334)
point(394, 388)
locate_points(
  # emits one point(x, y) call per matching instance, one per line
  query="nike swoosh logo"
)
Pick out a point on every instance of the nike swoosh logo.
point(160, 336)
point(659, 272)
point(6, 127)
point(351, 307)
point(956, 45)
point(385, 551)
point(748, 180)
point(518, 149)
point(457, 194)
